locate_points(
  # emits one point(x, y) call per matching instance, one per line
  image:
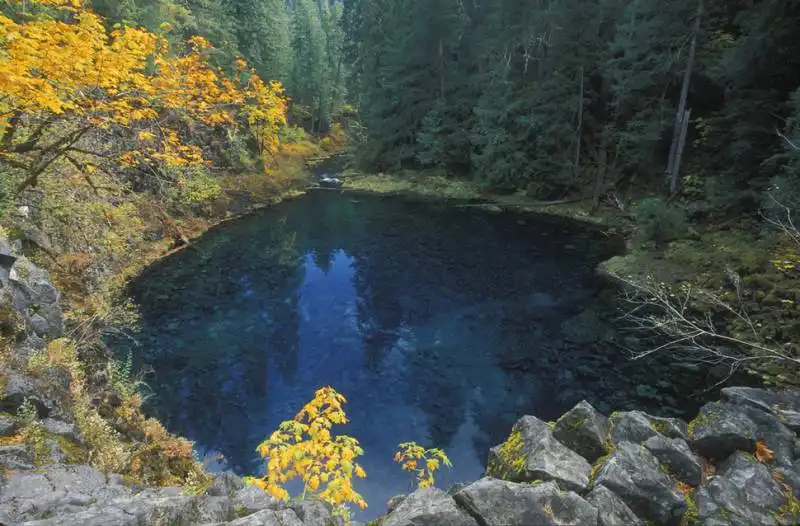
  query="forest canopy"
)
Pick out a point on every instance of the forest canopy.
point(558, 96)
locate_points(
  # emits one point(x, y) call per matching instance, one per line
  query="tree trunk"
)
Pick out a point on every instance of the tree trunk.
point(679, 152)
point(579, 130)
point(441, 68)
point(602, 167)
point(681, 113)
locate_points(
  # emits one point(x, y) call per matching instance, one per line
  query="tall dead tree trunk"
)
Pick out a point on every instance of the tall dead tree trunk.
point(676, 168)
point(441, 68)
point(602, 168)
point(674, 154)
point(579, 129)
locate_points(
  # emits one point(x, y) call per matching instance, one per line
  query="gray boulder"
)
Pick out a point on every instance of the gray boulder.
point(313, 512)
point(251, 499)
point(32, 290)
point(16, 457)
point(633, 473)
point(61, 428)
point(18, 388)
point(8, 425)
point(428, 507)
point(790, 477)
point(584, 430)
point(29, 346)
point(502, 503)
point(785, 405)
point(631, 426)
point(281, 517)
point(397, 500)
point(669, 427)
point(532, 453)
point(637, 426)
point(721, 429)
point(611, 510)
point(674, 453)
point(55, 491)
point(41, 326)
point(33, 281)
point(225, 485)
point(84, 496)
point(129, 512)
point(743, 493)
point(168, 511)
point(7, 257)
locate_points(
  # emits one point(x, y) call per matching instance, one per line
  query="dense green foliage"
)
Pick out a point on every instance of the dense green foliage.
point(560, 96)
point(297, 43)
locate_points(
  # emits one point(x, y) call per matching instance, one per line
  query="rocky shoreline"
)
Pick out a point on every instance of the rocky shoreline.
point(736, 463)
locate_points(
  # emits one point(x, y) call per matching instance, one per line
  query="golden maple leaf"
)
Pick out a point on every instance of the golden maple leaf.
point(763, 453)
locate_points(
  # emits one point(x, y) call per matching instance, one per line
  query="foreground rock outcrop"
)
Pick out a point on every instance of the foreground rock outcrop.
point(737, 463)
point(70, 495)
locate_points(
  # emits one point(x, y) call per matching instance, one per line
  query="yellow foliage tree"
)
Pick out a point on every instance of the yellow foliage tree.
point(422, 462)
point(70, 88)
point(305, 448)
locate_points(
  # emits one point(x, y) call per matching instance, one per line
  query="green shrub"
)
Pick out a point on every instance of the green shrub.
point(290, 134)
point(659, 221)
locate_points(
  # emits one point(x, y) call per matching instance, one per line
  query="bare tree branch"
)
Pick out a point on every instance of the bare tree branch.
point(788, 141)
point(684, 318)
point(784, 222)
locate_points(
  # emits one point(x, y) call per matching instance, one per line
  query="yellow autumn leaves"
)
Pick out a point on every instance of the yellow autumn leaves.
point(422, 462)
point(72, 69)
point(305, 448)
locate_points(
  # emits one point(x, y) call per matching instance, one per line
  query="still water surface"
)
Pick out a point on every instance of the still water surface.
point(440, 324)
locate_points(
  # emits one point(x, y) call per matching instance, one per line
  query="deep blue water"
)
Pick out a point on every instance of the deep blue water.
point(440, 324)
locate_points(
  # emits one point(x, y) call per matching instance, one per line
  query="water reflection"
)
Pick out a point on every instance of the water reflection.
point(441, 325)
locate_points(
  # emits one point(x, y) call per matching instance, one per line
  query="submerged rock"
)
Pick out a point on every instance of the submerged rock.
point(330, 182)
point(502, 503)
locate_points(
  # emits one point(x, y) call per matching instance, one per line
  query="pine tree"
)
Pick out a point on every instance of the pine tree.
point(334, 52)
point(308, 80)
point(262, 28)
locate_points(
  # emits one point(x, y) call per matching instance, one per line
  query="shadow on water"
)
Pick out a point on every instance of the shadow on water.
point(441, 325)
